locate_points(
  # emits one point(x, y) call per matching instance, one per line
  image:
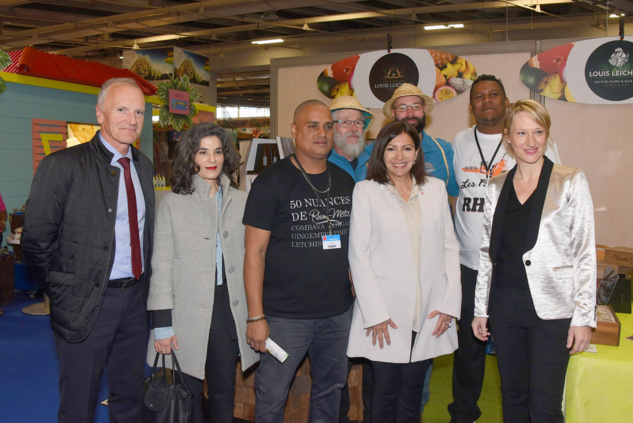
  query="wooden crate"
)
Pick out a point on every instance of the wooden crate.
point(298, 402)
point(607, 331)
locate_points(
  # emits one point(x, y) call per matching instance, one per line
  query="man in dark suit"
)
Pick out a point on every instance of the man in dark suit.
point(88, 238)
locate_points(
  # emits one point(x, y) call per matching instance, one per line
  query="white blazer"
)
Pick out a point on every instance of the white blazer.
point(384, 273)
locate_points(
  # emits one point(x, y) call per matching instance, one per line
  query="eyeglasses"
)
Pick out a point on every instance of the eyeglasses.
point(403, 107)
point(347, 123)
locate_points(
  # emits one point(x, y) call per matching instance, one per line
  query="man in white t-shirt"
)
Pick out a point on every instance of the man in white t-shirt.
point(479, 155)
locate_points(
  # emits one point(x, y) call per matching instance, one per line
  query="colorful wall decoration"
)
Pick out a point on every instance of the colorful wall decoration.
point(372, 77)
point(159, 64)
point(195, 66)
point(154, 64)
point(48, 136)
point(596, 71)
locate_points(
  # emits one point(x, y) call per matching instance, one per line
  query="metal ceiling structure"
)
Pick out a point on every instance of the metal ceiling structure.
point(100, 29)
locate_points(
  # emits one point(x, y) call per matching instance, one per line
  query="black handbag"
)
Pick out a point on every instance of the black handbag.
point(167, 402)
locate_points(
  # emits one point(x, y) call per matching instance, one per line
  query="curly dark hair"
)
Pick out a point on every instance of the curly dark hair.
point(184, 166)
point(377, 170)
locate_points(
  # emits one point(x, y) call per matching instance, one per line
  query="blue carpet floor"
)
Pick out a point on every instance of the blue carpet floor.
point(29, 374)
point(29, 368)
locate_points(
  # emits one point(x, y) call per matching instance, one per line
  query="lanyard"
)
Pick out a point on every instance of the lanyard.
point(488, 165)
point(326, 208)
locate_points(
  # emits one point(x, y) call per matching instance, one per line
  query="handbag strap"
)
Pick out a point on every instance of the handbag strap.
point(156, 363)
point(178, 371)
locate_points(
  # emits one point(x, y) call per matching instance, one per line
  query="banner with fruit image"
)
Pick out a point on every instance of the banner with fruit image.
point(373, 77)
point(596, 71)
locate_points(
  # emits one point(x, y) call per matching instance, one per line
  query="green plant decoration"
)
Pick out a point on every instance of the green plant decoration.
point(5, 61)
point(175, 120)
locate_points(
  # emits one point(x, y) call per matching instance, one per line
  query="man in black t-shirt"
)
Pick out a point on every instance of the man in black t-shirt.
point(296, 270)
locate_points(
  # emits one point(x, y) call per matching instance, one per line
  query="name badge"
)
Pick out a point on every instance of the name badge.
point(331, 241)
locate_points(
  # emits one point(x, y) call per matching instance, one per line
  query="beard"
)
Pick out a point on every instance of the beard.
point(419, 123)
point(350, 150)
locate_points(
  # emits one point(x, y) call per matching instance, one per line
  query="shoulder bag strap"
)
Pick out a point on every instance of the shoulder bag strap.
point(448, 172)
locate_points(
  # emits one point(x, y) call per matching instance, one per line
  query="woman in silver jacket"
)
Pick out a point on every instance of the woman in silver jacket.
point(197, 289)
point(537, 270)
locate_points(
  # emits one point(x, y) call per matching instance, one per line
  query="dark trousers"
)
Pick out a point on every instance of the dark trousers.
point(470, 358)
point(118, 343)
point(222, 353)
point(532, 357)
point(397, 391)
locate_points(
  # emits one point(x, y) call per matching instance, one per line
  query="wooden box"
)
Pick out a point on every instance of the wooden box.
point(621, 256)
point(607, 331)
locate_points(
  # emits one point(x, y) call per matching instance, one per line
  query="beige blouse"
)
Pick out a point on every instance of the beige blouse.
point(413, 218)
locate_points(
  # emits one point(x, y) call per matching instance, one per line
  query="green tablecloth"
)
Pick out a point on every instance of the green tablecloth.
point(600, 385)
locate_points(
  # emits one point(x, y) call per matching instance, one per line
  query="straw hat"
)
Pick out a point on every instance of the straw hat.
point(406, 90)
point(351, 102)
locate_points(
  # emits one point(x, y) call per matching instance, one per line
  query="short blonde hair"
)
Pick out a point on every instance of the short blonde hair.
point(535, 110)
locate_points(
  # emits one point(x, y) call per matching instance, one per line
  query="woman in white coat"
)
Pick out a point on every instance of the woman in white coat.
point(197, 289)
point(404, 260)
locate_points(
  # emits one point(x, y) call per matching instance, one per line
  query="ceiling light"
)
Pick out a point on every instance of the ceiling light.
point(275, 40)
point(616, 15)
point(135, 46)
point(432, 27)
point(305, 27)
point(120, 57)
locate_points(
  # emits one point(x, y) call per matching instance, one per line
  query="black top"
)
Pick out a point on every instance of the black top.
point(354, 162)
point(509, 269)
point(301, 279)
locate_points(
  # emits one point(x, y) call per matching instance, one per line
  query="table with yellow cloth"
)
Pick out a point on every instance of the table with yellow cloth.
point(600, 385)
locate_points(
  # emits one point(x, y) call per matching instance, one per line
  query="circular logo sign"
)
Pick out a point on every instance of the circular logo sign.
point(389, 72)
point(609, 71)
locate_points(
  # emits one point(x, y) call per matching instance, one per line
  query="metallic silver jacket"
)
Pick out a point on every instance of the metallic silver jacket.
point(560, 258)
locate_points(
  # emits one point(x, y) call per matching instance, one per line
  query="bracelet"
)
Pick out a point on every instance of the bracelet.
point(256, 318)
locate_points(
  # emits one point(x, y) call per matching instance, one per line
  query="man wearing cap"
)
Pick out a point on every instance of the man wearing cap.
point(351, 122)
point(350, 153)
point(409, 104)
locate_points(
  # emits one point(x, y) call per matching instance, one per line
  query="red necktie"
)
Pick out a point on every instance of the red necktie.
point(135, 243)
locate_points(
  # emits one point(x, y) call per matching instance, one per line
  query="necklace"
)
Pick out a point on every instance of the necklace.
point(405, 194)
point(307, 178)
point(326, 203)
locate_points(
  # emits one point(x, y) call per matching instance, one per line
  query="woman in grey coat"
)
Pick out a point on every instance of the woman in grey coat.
point(197, 290)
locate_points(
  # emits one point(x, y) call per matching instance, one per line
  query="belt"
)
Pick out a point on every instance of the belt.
point(123, 283)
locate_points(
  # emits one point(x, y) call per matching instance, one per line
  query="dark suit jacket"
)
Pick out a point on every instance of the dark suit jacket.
point(68, 235)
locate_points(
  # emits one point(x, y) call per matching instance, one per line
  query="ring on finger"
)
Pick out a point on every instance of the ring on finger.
point(449, 324)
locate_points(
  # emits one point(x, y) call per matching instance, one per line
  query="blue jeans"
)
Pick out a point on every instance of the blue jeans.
point(325, 342)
